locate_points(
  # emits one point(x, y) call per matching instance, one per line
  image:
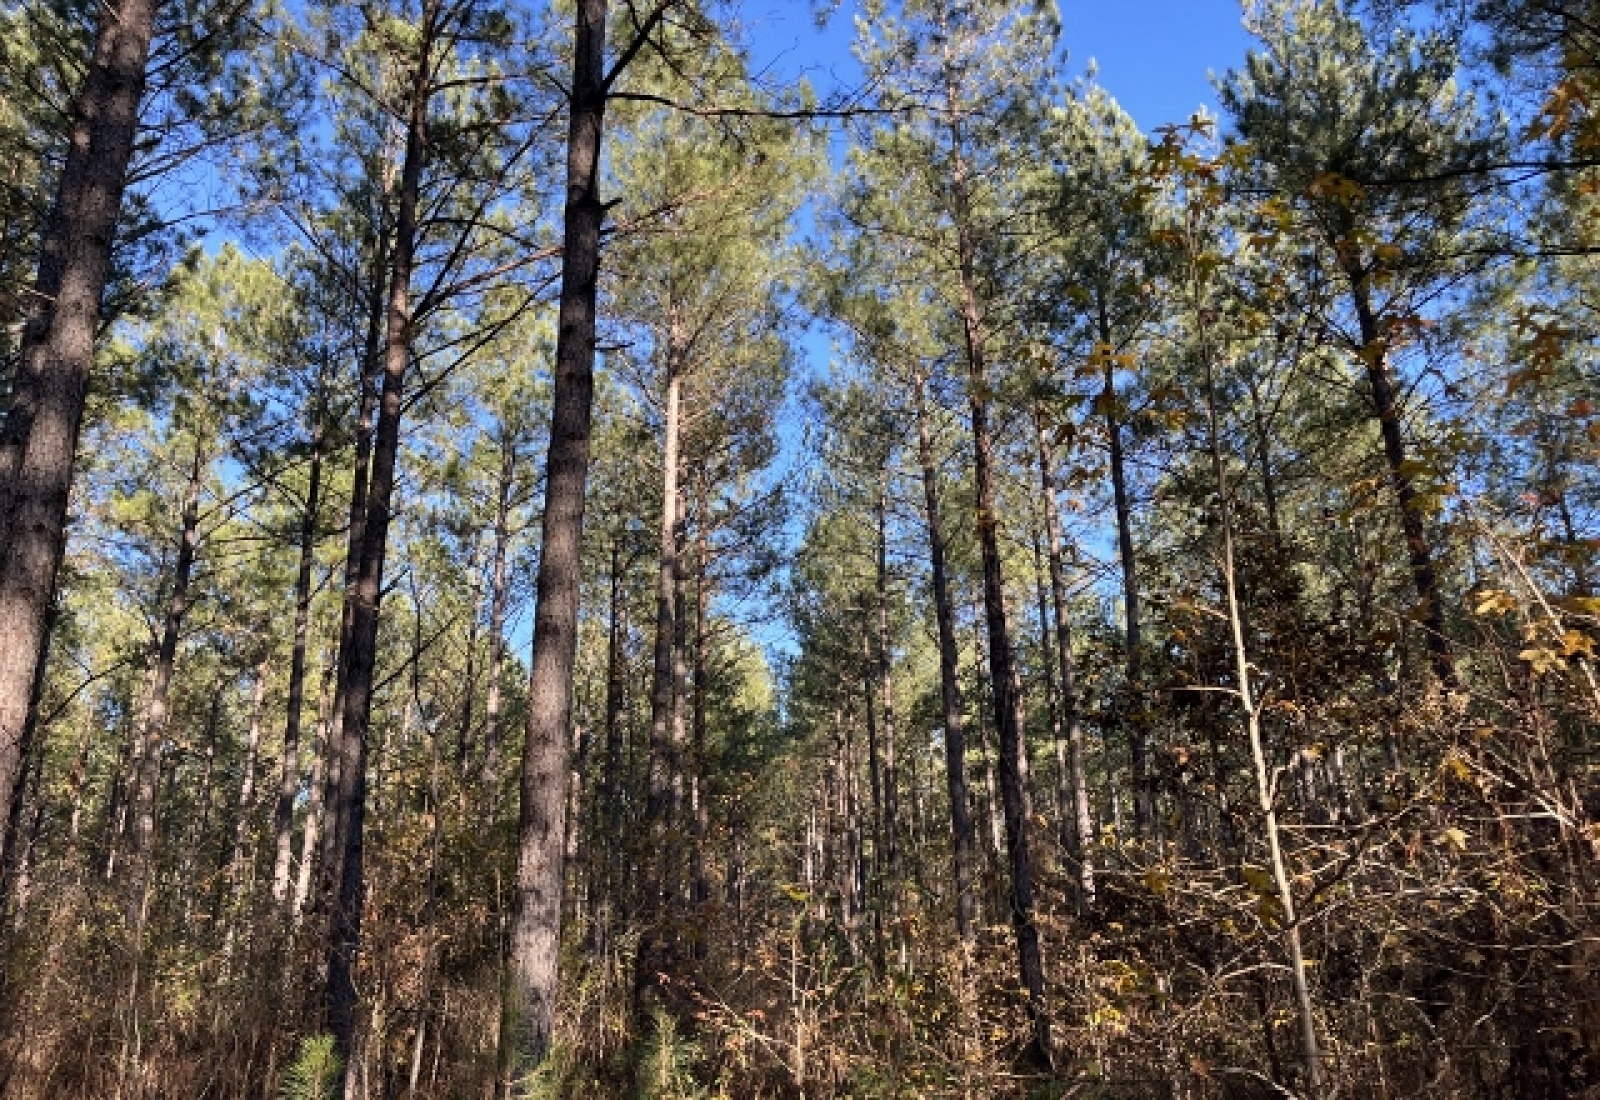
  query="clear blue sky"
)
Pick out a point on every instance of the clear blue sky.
point(1153, 55)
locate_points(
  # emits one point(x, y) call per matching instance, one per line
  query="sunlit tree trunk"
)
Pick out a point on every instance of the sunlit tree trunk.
point(40, 435)
point(963, 841)
point(533, 947)
point(1138, 731)
point(153, 735)
point(1071, 710)
point(358, 661)
point(289, 771)
point(499, 596)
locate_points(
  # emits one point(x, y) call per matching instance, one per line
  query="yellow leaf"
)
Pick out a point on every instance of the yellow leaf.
point(1575, 642)
point(1541, 660)
point(1493, 602)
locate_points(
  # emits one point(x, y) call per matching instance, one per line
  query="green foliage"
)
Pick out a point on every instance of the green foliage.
point(315, 1073)
point(665, 1069)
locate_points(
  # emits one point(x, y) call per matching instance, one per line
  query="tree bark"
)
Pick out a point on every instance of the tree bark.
point(1071, 710)
point(665, 772)
point(1138, 750)
point(289, 773)
point(247, 785)
point(360, 657)
point(885, 670)
point(40, 434)
point(1005, 682)
point(700, 774)
point(371, 369)
point(1049, 671)
point(991, 788)
point(1374, 354)
point(316, 804)
point(498, 597)
point(663, 679)
point(962, 840)
point(153, 735)
point(469, 677)
point(533, 947)
point(611, 777)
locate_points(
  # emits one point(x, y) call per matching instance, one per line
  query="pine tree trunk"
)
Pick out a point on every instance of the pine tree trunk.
point(611, 777)
point(360, 479)
point(289, 775)
point(1006, 686)
point(498, 597)
point(153, 735)
point(1071, 711)
point(1419, 551)
point(962, 838)
point(1049, 672)
point(40, 434)
point(874, 777)
point(664, 701)
point(201, 825)
point(991, 787)
point(700, 775)
point(533, 947)
point(80, 782)
point(315, 826)
point(469, 677)
point(1138, 753)
point(885, 671)
point(1005, 683)
point(247, 785)
point(359, 660)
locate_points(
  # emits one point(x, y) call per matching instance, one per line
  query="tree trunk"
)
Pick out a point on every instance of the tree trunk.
point(875, 778)
point(1006, 687)
point(1138, 754)
point(962, 841)
point(289, 775)
point(665, 702)
point(498, 597)
point(700, 775)
point(360, 478)
point(316, 804)
point(201, 824)
point(663, 678)
point(1071, 712)
point(991, 788)
point(153, 736)
point(469, 677)
point(885, 669)
point(40, 434)
point(533, 947)
point(80, 781)
point(1048, 670)
point(247, 785)
point(360, 657)
point(1005, 682)
point(611, 777)
point(1386, 404)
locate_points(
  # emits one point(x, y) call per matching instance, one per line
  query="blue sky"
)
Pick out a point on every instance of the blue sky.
point(1153, 55)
